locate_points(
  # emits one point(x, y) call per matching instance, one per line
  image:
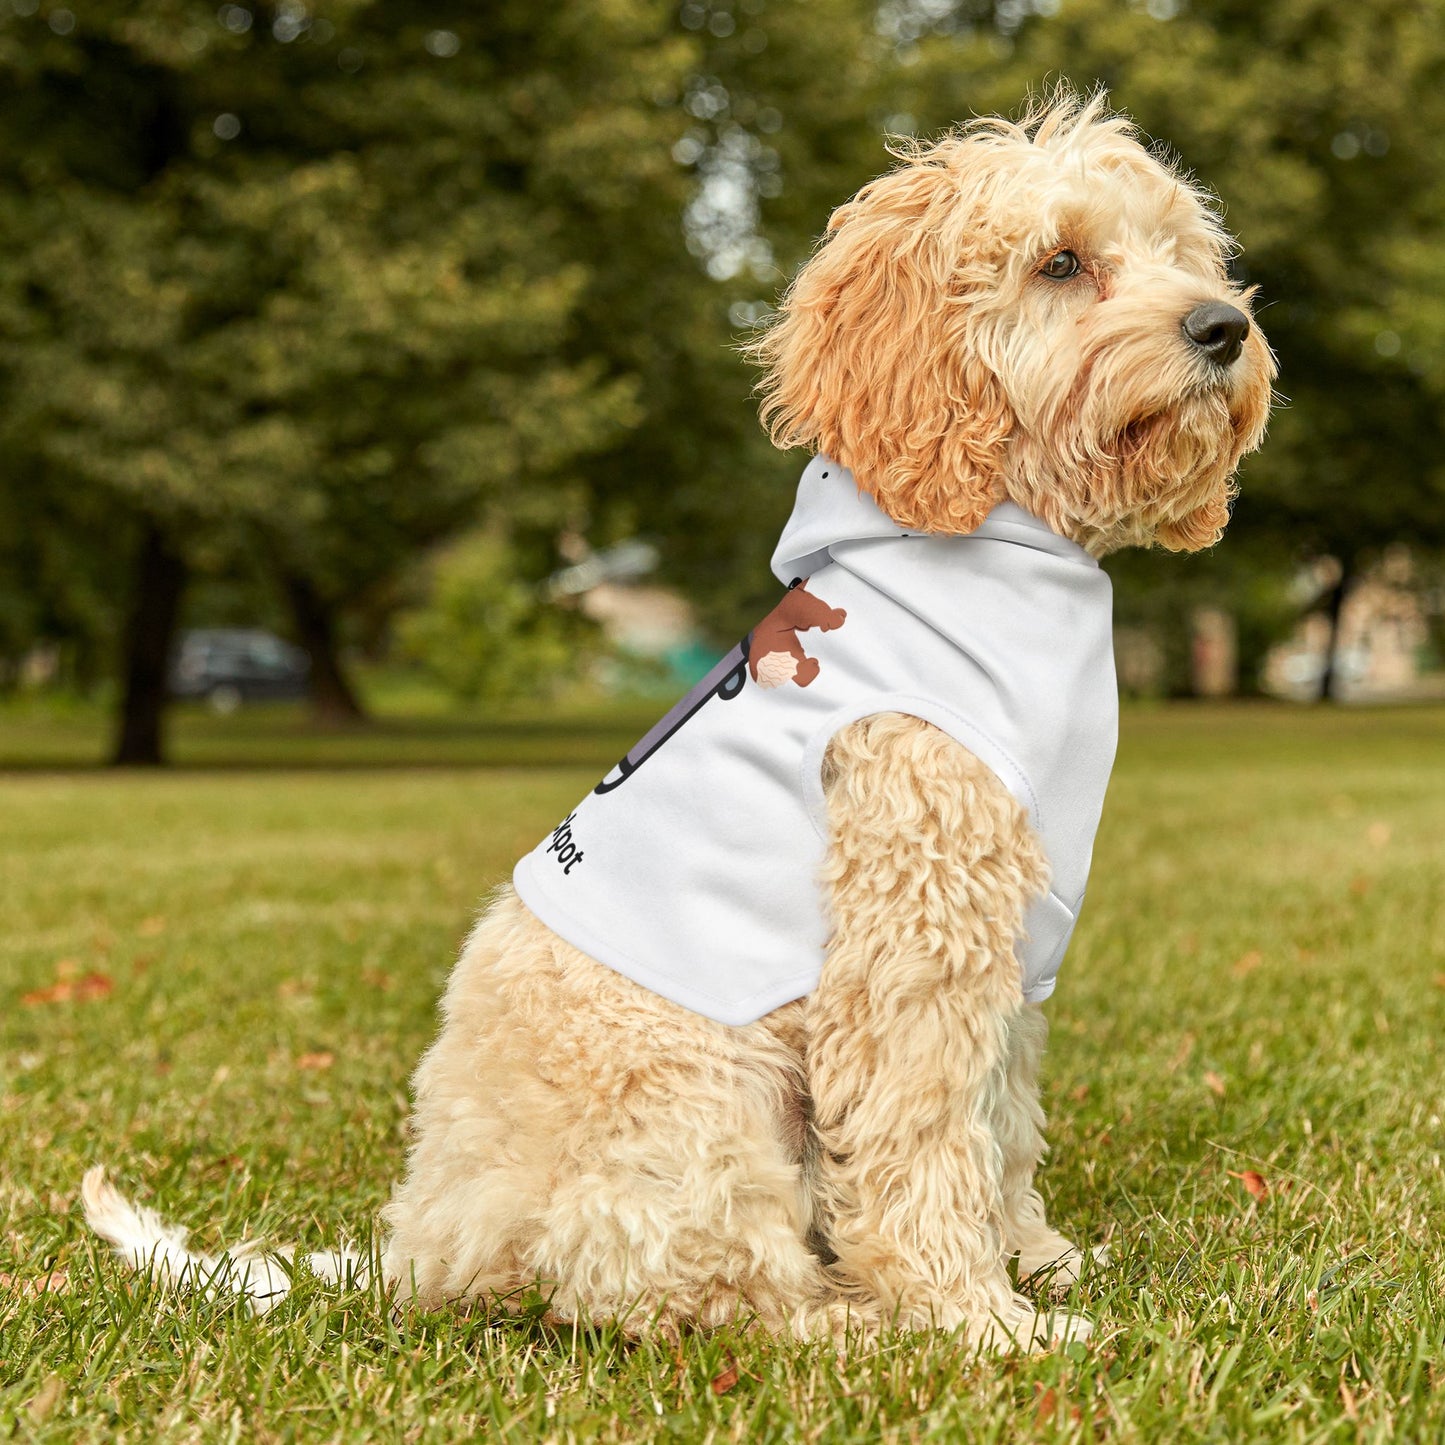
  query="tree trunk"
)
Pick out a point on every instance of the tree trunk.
point(333, 699)
point(160, 579)
point(1329, 676)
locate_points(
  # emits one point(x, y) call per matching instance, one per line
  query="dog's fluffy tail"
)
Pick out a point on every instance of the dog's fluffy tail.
point(147, 1243)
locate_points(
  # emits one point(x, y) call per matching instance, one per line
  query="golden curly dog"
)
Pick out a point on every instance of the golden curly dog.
point(1036, 311)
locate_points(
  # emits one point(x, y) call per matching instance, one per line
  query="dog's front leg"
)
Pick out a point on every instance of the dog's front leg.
point(1044, 1255)
point(930, 865)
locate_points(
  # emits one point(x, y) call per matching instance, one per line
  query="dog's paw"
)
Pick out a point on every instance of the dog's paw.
point(1023, 1326)
point(1058, 1270)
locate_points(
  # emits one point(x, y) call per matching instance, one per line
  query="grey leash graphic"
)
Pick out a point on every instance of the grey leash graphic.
point(725, 681)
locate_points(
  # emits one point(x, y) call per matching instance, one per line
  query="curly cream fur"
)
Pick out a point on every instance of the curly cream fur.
point(578, 1134)
point(931, 866)
point(867, 1155)
point(921, 347)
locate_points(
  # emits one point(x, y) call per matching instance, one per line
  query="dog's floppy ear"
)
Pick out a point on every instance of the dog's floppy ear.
point(873, 361)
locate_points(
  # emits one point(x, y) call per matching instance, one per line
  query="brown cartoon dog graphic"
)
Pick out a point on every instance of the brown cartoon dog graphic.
point(775, 655)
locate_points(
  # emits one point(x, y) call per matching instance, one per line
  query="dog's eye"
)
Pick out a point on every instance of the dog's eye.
point(1060, 266)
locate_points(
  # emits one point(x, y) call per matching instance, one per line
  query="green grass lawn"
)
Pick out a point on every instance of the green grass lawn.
point(252, 958)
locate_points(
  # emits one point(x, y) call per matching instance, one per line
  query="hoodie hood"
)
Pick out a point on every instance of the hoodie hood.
point(831, 511)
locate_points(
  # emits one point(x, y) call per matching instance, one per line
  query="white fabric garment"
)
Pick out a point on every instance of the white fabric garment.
point(693, 867)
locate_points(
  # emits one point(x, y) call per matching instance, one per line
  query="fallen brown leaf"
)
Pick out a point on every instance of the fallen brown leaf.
point(1440, 980)
point(81, 990)
point(1255, 1184)
point(56, 993)
point(724, 1381)
point(377, 978)
point(1360, 885)
point(151, 927)
point(56, 1282)
point(1247, 963)
point(1046, 1407)
point(1080, 1094)
point(1214, 1083)
point(322, 1059)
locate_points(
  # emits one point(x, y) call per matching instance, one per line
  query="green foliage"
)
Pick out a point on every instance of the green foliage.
point(61, 572)
point(1241, 928)
point(318, 288)
point(307, 286)
point(780, 118)
point(486, 634)
point(324, 286)
point(309, 294)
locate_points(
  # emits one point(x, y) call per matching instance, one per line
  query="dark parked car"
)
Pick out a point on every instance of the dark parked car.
point(231, 665)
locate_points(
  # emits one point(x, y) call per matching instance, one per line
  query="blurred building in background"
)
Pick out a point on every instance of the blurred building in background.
point(655, 642)
point(1383, 649)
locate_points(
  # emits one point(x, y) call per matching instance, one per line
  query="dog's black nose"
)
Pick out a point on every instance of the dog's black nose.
point(1218, 330)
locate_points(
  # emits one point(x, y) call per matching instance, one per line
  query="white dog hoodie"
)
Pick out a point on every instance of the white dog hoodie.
point(693, 867)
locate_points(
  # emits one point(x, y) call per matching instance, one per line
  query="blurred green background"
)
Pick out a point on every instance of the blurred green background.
point(406, 333)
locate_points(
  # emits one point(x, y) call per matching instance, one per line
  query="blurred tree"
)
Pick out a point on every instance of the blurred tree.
point(330, 283)
point(324, 285)
point(486, 634)
point(299, 281)
point(1162, 595)
point(783, 108)
point(58, 570)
